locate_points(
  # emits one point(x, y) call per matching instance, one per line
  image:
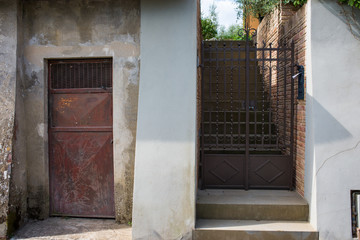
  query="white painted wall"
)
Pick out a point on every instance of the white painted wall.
point(164, 188)
point(333, 126)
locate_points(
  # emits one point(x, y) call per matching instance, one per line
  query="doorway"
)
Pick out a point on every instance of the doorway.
point(247, 115)
point(81, 138)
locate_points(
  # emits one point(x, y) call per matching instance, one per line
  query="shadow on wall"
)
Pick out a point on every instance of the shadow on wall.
point(327, 130)
point(327, 127)
point(350, 16)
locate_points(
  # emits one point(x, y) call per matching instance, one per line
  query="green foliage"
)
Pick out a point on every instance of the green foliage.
point(256, 8)
point(296, 3)
point(208, 28)
point(259, 8)
point(353, 3)
point(232, 33)
point(209, 25)
point(212, 30)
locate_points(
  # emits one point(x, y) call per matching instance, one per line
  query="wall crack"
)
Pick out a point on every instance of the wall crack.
point(336, 154)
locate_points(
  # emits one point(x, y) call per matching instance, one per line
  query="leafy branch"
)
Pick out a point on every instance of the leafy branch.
point(352, 3)
point(260, 8)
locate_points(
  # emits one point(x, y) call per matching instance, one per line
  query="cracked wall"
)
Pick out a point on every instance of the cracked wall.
point(80, 29)
point(8, 50)
point(332, 119)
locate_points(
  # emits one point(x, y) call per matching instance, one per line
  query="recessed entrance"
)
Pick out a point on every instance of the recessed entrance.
point(80, 138)
point(247, 115)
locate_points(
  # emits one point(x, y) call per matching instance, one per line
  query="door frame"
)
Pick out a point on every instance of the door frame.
point(49, 105)
point(210, 161)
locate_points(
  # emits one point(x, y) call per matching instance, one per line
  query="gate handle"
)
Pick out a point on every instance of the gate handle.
point(301, 83)
point(296, 75)
point(112, 141)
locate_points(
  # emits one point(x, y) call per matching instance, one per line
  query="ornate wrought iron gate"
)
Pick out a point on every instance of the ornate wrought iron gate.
point(247, 113)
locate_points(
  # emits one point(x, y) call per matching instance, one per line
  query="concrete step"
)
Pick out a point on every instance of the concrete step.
point(253, 230)
point(274, 205)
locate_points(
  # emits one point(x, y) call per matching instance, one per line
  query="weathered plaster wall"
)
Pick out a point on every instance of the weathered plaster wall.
point(8, 50)
point(164, 188)
point(81, 29)
point(333, 130)
point(18, 183)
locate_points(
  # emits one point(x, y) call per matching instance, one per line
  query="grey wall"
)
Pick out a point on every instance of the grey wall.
point(80, 29)
point(18, 183)
point(164, 190)
point(333, 129)
point(8, 57)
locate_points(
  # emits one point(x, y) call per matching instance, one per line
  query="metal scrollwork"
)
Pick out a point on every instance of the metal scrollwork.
point(249, 33)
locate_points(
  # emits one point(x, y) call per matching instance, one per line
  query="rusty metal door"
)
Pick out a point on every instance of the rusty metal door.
point(80, 138)
point(247, 115)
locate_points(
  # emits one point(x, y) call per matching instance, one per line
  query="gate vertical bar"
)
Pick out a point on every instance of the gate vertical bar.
point(217, 96)
point(256, 97)
point(292, 115)
point(263, 94)
point(202, 131)
point(224, 99)
point(231, 96)
point(270, 85)
point(210, 109)
point(247, 57)
point(284, 107)
point(239, 95)
point(277, 95)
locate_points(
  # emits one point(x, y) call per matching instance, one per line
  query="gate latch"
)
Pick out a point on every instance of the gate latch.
point(301, 87)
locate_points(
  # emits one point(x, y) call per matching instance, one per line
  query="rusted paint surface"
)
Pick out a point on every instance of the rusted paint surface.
point(81, 110)
point(81, 153)
point(82, 181)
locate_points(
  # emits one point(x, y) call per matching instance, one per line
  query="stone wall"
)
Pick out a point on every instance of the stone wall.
point(284, 26)
point(81, 29)
point(8, 57)
point(17, 214)
point(31, 32)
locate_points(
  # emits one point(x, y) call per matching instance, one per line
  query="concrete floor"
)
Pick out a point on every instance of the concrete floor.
point(74, 228)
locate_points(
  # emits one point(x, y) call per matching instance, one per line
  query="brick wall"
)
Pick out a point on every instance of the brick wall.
point(283, 26)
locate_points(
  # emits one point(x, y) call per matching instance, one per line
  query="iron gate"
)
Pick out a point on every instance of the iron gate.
point(247, 120)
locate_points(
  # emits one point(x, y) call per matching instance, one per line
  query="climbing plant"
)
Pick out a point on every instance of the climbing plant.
point(296, 3)
point(353, 3)
point(259, 8)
